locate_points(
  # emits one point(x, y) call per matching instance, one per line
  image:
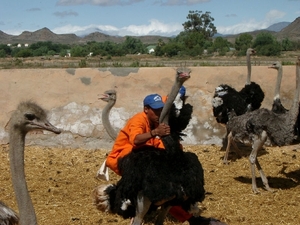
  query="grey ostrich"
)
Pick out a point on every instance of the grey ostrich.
point(27, 117)
point(110, 97)
point(256, 126)
point(7, 215)
point(277, 107)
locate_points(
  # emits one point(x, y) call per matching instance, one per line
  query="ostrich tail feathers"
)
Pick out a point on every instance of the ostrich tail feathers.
point(102, 197)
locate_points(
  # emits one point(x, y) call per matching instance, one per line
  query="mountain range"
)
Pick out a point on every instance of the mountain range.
point(279, 30)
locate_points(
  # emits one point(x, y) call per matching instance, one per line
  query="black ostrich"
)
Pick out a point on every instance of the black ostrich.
point(256, 126)
point(226, 99)
point(154, 177)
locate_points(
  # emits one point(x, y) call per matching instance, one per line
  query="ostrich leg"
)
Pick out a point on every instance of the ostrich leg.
point(162, 215)
point(143, 205)
point(230, 141)
point(257, 144)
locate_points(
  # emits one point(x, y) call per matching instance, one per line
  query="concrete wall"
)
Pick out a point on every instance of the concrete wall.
point(71, 96)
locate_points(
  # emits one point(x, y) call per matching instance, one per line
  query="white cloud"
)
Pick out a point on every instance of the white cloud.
point(240, 27)
point(271, 17)
point(154, 28)
point(274, 14)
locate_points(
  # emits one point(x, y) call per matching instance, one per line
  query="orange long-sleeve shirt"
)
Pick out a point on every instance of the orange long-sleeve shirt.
point(124, 143)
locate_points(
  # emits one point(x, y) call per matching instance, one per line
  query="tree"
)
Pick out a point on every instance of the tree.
point(6, 50)
point(266, 44)
point(221, 45)
point(78, 51)
point(172, 49)
point(133, 46)
point(190, 39)
point(159, 48)
point(2, 53)
point(287, 45)
point(242, 43)
point(24, 52)
point(201, 23)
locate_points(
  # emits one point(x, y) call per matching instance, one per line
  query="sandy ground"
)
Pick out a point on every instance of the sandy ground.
point(61, 182)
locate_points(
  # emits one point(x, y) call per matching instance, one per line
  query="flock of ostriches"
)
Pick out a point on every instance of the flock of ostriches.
point(157, 180)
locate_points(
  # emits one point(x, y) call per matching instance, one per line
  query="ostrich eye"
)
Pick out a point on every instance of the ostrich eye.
point(30, 116)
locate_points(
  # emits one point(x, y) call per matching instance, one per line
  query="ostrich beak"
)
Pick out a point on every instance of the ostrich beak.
point(46, 125)
point(104, 97)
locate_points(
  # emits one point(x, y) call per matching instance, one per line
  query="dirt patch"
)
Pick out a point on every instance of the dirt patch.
point(61, 182)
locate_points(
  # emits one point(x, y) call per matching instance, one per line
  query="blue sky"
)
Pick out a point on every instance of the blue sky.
point(141, 17)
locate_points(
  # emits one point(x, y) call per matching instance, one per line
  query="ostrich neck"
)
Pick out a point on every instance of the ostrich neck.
point(164, 116)
point(248, 81)
point(295, 106)
point(105, 120)
point(16, 154)
point(278, 83)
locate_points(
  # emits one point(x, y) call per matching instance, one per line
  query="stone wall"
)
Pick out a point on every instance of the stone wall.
point(71, 97)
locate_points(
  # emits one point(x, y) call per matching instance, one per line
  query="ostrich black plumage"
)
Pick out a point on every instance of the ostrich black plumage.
point(154, 177)
point(226, 99)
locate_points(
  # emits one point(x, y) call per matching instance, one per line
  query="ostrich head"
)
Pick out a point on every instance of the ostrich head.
point(183, 74)
point(276, 65)
point(110, 95)
point(29, 116)
point(250, 51)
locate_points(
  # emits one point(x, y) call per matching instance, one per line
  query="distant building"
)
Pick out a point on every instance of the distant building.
point(151, 49)
point(68, 53)
point(26, 45)
point(19, 45)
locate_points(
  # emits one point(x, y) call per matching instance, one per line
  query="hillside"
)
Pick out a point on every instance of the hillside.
point(278, 26)
point(290, 30)
point(45, 34)
point(286, 30)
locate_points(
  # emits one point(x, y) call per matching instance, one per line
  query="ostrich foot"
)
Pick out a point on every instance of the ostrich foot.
point(225, 161)
point(255, 190)
point(131, 221)
point(269, 189)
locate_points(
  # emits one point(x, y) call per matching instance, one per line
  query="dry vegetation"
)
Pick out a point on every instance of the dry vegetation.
point(143, 60)
point(61, 182)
